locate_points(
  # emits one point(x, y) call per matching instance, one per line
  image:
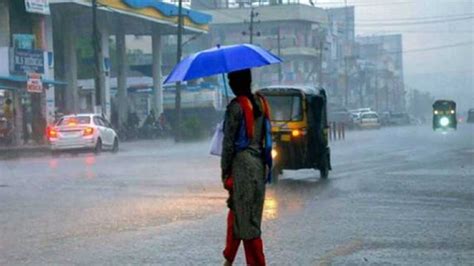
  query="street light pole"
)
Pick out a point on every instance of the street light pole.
point(177, 133)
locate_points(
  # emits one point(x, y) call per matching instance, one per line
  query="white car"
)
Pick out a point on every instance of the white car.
point(83, 131)
point(369, 120)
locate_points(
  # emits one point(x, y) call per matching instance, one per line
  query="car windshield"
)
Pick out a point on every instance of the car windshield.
point(285, 107)
point(74, 120)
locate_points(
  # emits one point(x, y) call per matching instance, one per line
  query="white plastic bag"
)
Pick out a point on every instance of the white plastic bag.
point(217, 139)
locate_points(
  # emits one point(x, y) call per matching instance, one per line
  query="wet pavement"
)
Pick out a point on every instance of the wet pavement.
point(396, 196)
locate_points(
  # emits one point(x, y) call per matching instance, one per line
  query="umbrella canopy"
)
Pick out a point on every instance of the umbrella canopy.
point(221, 59)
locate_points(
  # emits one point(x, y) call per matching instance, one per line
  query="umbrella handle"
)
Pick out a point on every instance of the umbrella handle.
point(225, 88)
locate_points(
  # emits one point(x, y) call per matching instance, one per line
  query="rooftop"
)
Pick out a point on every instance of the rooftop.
point(295, 12)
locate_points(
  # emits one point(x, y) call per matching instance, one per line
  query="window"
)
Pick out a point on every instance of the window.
point(74, 120)
point(286, 107)
point(98, 121)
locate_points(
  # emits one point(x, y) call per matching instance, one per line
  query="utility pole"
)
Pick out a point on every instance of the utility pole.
point(320, 70)
point(253, 15)
point(376, 92)
point(177, 133)
point(346, 74)
point(96, 44)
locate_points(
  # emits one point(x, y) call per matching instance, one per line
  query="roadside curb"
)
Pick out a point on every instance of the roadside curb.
point(9, 152)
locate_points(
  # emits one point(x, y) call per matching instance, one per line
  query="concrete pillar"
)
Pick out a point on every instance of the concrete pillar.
point(70, 66)
point(157, 75)
point(4, 24)
point(105, 59)
point(122, 65)
point(49, 70)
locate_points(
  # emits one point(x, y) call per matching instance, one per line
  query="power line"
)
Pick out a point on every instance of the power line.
point(417, 18)
point(432, 48)
point(378, 3)
point(413, 23)
point(366, 4)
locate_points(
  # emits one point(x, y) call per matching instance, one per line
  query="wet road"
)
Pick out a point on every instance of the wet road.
point(397, 196)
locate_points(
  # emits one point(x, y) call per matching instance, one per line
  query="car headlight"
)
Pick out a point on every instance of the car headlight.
point(274, 153)
point(436, 112)
point(452, 112)
point(296, 133)
point(444, 121)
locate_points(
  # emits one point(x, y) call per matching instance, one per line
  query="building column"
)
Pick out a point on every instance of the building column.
point(70, 66)
point(49, 68)
point(122, 65)
point(157, 102)
point(105, 60)
point(4, 24)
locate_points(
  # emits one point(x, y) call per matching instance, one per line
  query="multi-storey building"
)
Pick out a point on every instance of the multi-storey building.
point(26, 65)
point(384, 54)
point(295, 32)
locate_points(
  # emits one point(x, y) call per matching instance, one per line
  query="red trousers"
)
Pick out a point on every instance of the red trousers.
point(253, 247)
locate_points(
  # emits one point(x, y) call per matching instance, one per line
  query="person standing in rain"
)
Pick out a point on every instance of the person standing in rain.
point(244, 165)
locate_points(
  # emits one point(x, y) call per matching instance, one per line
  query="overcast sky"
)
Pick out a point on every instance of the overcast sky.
point(445, 72)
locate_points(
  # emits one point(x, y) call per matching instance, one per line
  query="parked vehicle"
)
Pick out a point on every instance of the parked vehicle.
point(83, 131)
point(356, 113)
point(369, 120)
point(361, 110)
point(470, 116)
point(399, 119)
point(341, 116)
point(299, 128)
point(355, 119)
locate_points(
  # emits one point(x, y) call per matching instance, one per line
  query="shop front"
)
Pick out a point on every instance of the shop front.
point(27, 82)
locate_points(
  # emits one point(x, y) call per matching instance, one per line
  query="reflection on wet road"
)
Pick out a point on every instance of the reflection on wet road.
point(396, 196)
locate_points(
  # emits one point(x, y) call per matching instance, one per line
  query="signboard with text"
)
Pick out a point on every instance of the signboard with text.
point(24, 41)
point(27, 61)
point(34, 83)
point(37, 6)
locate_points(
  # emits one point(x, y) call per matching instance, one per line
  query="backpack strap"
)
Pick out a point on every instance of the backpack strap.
point(266, 106)
point(268, 145)
point(247, 109)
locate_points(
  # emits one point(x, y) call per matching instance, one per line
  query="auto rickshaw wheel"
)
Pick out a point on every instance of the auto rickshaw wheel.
point(276, 172)
point(324, 169)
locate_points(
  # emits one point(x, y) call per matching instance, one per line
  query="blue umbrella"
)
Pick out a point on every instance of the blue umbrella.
point(221, 59)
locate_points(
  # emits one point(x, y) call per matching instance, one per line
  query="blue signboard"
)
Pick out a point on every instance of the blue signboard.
point(28, 61)
point(24, 41)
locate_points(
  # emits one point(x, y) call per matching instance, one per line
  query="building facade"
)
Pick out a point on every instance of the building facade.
point(27, 67)
point(294, 32)
point(382, 56)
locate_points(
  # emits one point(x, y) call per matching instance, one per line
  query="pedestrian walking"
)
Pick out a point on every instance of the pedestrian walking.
point(245, 161)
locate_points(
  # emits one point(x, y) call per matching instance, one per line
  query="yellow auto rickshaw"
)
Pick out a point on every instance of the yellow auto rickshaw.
point(299, 129)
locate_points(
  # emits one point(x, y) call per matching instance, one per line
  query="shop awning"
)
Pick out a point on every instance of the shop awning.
point(7, 88)
point(24, 79)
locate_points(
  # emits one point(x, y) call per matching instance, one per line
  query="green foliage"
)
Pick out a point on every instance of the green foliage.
point(85, 57)
point(192, 129)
